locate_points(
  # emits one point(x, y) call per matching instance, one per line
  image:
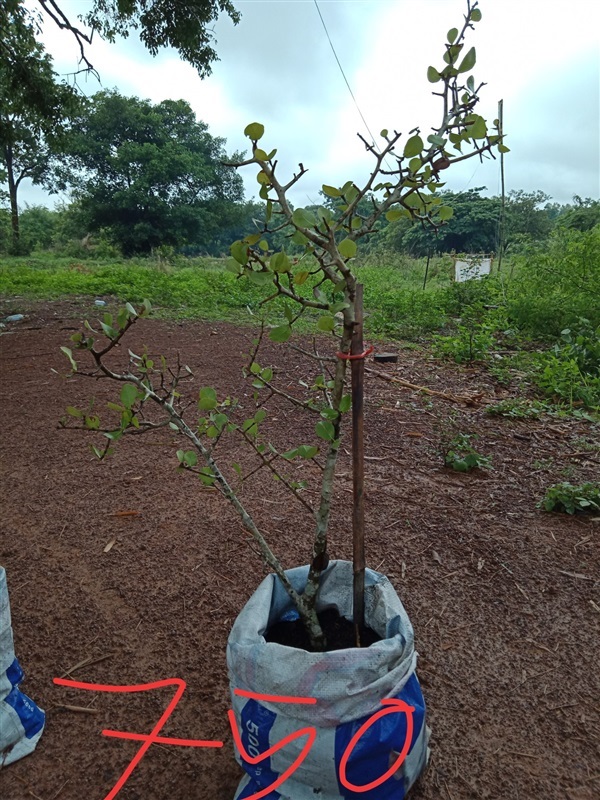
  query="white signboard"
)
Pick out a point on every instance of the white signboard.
point(471, 267)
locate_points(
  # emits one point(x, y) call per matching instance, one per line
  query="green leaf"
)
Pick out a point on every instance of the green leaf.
point(208, 399)
point(231, 265)
point(502, 148)
point(260, 415)
point(190, 458)
point(384, 133)
point(69, 354)
point(263, 178)
point(325, 430)
point(330, 191)
point(74, 412)
point(254, 368)
point(303, 218)
point(345, 403)
point(347, 248)
point(307, 451)
point(263, 245)
point(396, 213)
point(452, 34)
point(477, 128)
point(146, 308)
point(260, 155)
point(445, 212)
point(130, 310)
point(326, 323)
point(250, 427)
point(220, 421)
point(122, 317)
point(468, 61)
point(239, 250)
point(329, 413)
point(206, 476)
point(475, 15)
point(413, 146)
point(439, 141)
point(299, 238)
point(109, 331)
point(339, 306)
point(254, 131)
point(433, 76)
point(92, 423)
point(261, 278)
point(280, 262)
point(460, 465)
point(280, 334)
point(301, 277)
point(415, 164)
point(471, 83)
point(129, 395)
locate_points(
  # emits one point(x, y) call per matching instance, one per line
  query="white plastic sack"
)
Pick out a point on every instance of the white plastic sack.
point(348, 686)
point(21, 721)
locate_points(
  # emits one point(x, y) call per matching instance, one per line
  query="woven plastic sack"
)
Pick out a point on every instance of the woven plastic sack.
point(348, 686)
point(21, 721)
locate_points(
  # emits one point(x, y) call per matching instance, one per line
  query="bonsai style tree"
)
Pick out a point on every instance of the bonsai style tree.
point(404, 182)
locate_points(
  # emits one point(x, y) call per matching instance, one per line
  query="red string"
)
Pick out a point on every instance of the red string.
point(348, 357)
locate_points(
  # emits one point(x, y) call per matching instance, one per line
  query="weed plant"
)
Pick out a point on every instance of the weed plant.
point(571, 499)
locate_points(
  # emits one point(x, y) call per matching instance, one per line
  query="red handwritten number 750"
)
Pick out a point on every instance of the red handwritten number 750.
point(394, 705)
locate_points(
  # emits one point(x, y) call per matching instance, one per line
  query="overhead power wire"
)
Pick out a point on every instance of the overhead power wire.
point(342, 70)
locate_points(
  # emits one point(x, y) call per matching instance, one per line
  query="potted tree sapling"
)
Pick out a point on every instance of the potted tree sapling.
point(321, 659)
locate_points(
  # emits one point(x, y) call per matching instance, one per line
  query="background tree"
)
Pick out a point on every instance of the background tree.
point(34, 112)
point(583, 215)
point(473, 228)
point(528, 216)
point(184, 25)
point(150, 174)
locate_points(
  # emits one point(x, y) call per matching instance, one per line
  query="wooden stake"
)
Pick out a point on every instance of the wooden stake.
point(358, 510)
point(503, 203)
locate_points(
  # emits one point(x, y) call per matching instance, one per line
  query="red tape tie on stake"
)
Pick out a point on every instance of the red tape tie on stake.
point(364, 354)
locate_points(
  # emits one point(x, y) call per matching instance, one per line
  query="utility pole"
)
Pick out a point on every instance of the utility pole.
point(502, 206)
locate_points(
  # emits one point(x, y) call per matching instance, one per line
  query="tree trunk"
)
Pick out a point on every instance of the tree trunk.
point(12, 191)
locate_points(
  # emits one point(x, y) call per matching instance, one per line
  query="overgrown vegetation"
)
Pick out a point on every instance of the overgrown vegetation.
point(536, 323)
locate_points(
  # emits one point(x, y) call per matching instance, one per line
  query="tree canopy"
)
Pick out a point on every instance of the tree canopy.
point(34, 111)
point(184, 25)
point(149, 174)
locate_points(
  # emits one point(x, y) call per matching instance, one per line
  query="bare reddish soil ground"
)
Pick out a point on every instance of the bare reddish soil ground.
point(504, 598)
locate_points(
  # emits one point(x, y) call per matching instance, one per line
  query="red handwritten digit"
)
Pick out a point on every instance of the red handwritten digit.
point(394, 705)
point(310, 731)
point(149, 739)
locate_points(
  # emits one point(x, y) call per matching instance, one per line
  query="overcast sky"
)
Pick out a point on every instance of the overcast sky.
point(542, 57)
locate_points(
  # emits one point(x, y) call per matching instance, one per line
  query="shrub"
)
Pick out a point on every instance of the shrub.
point(569, 499)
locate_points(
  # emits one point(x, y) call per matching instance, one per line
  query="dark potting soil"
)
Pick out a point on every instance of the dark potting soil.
point(338, 630)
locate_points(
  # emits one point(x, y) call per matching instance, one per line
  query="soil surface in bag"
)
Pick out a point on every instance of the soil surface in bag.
point(338, 630)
